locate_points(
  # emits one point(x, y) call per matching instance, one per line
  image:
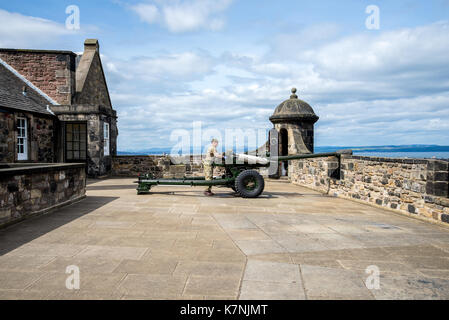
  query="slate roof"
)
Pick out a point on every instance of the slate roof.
point(294, 109)
point(11, 94)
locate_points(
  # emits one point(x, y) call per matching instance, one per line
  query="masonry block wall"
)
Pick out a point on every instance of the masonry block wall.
point(33, 190)
point(158, 165)
point(412, 186)
point(53, 73)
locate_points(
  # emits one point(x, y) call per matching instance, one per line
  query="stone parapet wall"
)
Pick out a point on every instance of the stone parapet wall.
point(35, 189)
point(159, 165)
point(413, 186)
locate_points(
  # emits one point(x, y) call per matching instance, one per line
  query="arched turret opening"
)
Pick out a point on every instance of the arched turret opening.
point(283, 151)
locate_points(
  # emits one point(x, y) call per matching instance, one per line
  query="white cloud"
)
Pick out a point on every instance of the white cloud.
point(17, 30)
point(386, 88)
point(396, 52)
point(147, 12)
point(161, 69)
point(185, 15)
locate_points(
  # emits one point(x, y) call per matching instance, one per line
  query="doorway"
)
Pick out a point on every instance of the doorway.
point(75, 142)
point(283, 151)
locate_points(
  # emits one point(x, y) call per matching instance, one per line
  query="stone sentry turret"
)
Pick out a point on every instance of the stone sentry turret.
point(294, 120)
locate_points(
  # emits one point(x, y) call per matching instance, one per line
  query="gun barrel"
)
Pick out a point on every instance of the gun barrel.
point(337, 153)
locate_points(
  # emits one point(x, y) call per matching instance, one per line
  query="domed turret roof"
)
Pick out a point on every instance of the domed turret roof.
point(294, 109)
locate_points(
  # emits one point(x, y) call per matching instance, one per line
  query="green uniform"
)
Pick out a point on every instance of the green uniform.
point(211, 154)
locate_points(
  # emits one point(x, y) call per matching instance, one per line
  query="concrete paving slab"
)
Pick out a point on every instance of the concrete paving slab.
point(151, 266)
point(330, 282)
point(251, 247)
point(401, 287)
point(222, 286)
point(175, 243)
point(110, 252)
point(218, 269)
point(152, 286)
point(263, 290)
point(271, 272)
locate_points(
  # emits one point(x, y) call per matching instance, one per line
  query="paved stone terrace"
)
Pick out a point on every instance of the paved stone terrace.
point(292, 243)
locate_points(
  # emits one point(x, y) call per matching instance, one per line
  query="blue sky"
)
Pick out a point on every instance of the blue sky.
point(229, 63)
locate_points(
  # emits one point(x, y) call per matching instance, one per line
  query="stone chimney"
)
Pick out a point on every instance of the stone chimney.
point(91, 44)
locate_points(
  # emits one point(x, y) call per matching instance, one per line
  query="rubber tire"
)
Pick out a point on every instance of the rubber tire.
point(240, 187)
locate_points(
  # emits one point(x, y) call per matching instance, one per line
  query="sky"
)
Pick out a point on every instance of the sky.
point(229, 63)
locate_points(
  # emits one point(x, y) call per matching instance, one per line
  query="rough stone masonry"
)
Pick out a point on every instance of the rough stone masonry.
point(412, 186)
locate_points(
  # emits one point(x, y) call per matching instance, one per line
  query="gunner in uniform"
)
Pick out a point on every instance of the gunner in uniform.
point(211, 156)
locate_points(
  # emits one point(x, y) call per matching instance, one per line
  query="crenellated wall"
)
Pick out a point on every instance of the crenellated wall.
point(413, 186)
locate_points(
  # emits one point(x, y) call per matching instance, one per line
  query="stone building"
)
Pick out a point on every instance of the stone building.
point(79, 111)
point(27, 126)
point(294, 120)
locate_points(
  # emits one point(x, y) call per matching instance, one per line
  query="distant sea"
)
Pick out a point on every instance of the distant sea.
point(418, 155)
point(393, 151)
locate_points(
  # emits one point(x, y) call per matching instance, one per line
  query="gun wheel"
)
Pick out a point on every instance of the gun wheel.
point(249, 184)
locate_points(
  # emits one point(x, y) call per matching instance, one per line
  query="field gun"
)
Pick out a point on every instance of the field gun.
point(240, 175)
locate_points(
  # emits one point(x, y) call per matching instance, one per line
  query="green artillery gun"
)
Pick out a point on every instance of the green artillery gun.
point(240, 174)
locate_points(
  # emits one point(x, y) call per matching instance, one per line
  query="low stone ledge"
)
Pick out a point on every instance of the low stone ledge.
point(27, 168)
point(158, 165)
point(30, 189)
point(418, 187)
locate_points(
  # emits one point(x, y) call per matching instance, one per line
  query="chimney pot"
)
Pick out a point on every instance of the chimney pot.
point(91, 44)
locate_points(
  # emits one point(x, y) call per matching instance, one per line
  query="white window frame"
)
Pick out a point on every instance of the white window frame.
point(106, 139)
point(22, 138)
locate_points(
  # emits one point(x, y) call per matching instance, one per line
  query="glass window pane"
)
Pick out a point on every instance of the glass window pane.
point(83, 154)
point(69, 155)
point(69, 146)
point(69, 128)
point(76, 154)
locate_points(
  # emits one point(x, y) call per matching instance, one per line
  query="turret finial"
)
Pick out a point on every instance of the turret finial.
point(293, 96)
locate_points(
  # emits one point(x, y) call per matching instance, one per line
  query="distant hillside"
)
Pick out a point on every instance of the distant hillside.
point(356, 149)
point(390, 148)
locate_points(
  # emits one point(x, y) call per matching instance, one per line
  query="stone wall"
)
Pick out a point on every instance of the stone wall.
point(41, 137)
point(35, 189)
point(158, 165)
point(51, 71)
point(413, 186)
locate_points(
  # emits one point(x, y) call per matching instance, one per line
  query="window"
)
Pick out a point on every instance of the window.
point(106, 139)
point(75, 141)
point(22, 139)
